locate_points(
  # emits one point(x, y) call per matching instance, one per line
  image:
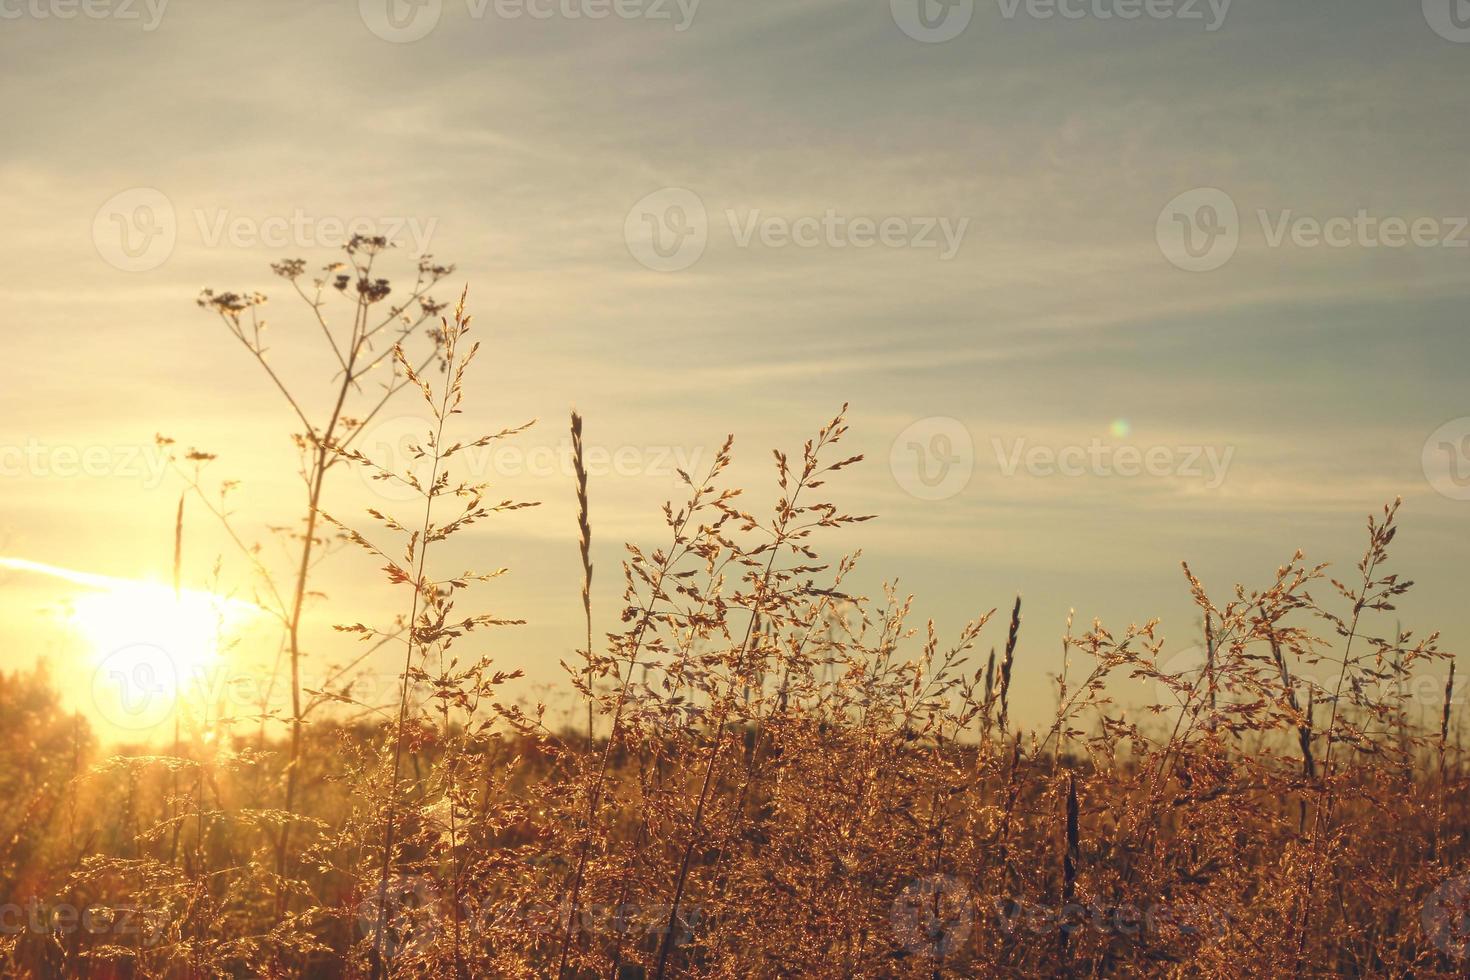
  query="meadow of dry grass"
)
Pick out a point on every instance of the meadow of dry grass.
point(776, 778)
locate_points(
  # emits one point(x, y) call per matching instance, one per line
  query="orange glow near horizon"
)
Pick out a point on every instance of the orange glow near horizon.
point(146, 645)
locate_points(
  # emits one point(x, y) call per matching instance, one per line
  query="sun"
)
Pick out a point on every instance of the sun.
point(155, 650)
point(147, 647)
point(188, 627)
point(152, 648)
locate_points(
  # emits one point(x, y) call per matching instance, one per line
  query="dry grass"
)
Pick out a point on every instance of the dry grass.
point(786, 780)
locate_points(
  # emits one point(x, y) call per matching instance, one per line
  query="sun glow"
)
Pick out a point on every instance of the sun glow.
point(189, 626)
point(148, 645)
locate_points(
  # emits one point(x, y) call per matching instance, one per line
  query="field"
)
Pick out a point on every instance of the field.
point(776, 777)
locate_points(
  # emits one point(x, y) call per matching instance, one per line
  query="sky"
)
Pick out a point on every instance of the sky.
point(1107, 284)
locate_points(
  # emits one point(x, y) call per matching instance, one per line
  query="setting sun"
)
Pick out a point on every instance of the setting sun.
point(188, 626)
point(145, 644)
